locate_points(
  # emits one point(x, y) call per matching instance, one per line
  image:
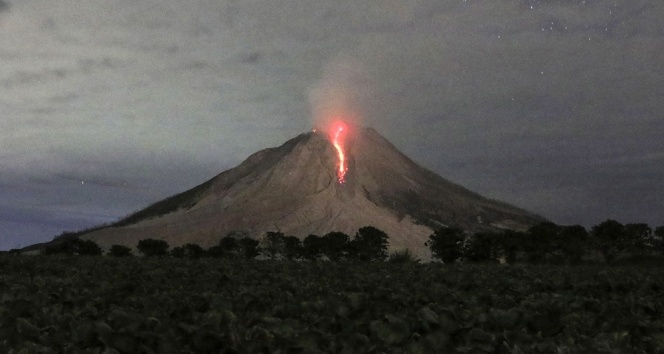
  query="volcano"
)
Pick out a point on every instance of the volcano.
point(297, 189)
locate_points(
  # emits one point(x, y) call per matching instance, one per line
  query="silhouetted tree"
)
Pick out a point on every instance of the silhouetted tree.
point(189, 250)
point(249, 247)
point(74, 246)
point(369, 245)
point(608, 237)
point(542, 240)
point(119, 251)
point(58, 248)
point(510, 246)
point(659, 239)
point(482, 247)
point(659, 231)
point(446, 244)
point(192, 250)
point(311, 247)
point(574, 242)
point(215, 252)
point(404, 256)
point(334, 245)
point(88, 247)
point(637, 238)
point(272, 244)
point(292, 247)
point(229, 246)
point(152, 247)
point(177, 252)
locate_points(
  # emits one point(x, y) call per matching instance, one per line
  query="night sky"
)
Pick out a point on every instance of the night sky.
point(107, 106)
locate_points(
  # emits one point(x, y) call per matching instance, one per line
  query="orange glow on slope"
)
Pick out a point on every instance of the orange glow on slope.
point(338, 135)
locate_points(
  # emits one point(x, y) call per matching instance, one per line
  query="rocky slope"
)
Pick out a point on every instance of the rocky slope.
point(294, 189)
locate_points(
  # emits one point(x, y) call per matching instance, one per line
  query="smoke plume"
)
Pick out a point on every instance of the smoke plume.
point(340, 94)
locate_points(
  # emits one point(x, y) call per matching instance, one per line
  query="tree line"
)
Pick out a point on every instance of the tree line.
point(368, 244)
point(546, 242)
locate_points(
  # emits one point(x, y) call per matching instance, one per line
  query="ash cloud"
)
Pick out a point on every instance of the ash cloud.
point(341, 94)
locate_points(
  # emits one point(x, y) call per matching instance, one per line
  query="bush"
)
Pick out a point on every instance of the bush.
point(402, 257)
point(334, 245)
point(311, 247)
point(658, 242)
point(192, 250)
point(74, 246)
point(119, 251)
point(369, 245)
point(189, 250)
point(292, 247)
point(214, 252)
point(89, 248)
point(177, 252)
point(482, 247)
point(446, 244)
point(249, 248)
point(97, 304)
point(151, 247)
point(228, 247)
point(273, 244)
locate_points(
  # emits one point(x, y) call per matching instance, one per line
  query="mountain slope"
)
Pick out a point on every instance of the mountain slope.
point(294, 189)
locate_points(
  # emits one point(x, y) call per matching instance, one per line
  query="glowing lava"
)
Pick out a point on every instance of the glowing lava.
point(338, 135)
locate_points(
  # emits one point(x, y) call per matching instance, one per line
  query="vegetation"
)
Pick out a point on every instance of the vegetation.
point(369, 244)
point(403, 257)
point(312, 247)
point(556, 298)
point(151, 247)
point(249, 248)
point(188, 250)
point(544, 243)
point(74, 246)
point(292, 248)
point(119, 251)
point(446, 244)
point(229, 247)
point(168, 305)
point(607, 242)
point(235, 245)
point(334, 246)
point(272, 244)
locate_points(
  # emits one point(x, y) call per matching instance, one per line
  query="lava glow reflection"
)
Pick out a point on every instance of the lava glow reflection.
point(338, 135)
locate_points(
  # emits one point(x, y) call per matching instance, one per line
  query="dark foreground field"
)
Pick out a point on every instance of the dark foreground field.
point(143, 305)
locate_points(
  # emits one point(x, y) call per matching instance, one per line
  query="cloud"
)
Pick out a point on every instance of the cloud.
point(169, 93)
point(340, 94)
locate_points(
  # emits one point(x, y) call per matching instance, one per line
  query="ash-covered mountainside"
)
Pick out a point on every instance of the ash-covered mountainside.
point(294, 189)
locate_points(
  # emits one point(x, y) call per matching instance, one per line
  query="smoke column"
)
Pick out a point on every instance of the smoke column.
point(336, 103)
point(339, 95)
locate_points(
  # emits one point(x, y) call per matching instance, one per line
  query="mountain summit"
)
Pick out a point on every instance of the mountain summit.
point(297, 189)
